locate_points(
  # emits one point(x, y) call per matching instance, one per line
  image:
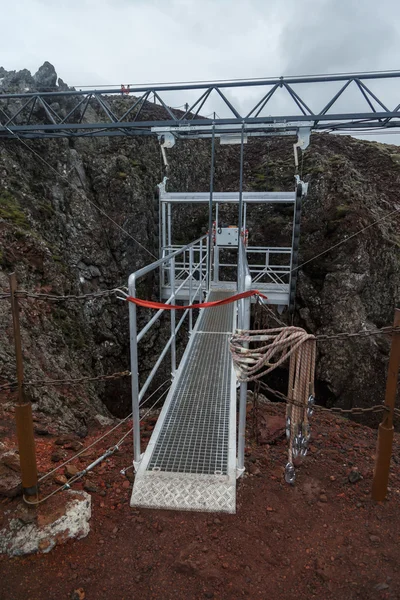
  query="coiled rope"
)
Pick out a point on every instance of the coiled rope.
point(257, 353)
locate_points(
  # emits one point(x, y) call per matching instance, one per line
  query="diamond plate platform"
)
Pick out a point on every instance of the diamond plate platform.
point(185, 492)
point(190, 461)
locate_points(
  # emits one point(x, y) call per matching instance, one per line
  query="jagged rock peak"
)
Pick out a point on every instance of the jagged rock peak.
point(45, 79)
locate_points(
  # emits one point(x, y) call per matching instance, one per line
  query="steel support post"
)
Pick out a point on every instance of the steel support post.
point(190, 289)
point(240, 208)
point(386, 429)
point(173, 317)
point(134, 371)
point(201, 271)
point(216, 248)
point(294, 259)
point(216, 264)
point(244, 314)
point(210, 211)
point(245, 310)
point(169, 212)
point(164, 225)
point(23, 410)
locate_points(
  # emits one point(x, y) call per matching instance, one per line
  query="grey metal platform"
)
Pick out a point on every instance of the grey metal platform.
point(190, 461)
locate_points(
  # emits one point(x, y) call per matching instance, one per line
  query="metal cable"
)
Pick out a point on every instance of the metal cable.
point(76, 189)
point(145, 414)
point(100, 438)
point(387, 330)
point(108, 453)
point(397, 210)
point(123, 471)
point(46, 382)
point(336, 410)
point(271, 312)
point(24, 294)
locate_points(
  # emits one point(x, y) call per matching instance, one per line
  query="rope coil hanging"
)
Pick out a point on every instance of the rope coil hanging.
point(256, 353)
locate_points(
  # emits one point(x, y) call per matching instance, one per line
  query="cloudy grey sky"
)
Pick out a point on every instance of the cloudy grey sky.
point(100, 42)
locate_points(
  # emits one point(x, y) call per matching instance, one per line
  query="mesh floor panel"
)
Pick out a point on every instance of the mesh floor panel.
point(194, 436)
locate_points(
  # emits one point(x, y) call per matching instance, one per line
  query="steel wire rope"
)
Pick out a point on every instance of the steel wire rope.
point(25, 294)
point(50, 382)
point(271, 313)
point(123, 471)
point(107, 433)
point(374, 132)
point(356, 410)
point(397, 210)
point(145, 415)
point(84, 472)
point(76, 189)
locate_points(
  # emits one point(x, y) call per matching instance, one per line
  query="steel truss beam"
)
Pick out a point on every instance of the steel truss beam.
point(111, 112)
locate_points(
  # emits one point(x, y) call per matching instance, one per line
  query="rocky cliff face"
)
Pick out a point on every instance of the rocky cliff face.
point(56, 239)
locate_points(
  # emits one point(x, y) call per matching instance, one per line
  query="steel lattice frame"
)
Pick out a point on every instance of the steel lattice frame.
point(95, 113)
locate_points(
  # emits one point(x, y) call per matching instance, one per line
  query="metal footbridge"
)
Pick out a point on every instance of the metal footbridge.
point(190, 461)
point(197, 448)
point(196, 451)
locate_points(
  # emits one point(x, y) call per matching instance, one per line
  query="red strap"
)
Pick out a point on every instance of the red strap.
point(158, 305)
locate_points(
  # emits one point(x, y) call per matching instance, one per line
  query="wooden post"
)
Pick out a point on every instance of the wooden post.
point(386, 429)
point(23, 410)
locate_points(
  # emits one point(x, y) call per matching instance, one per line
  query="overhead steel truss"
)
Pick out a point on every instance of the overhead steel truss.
point(93, 113)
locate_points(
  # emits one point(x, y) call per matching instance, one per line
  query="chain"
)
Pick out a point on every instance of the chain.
point(45, 382)
point(389, 329)
point(23, 294)
point(341, 411)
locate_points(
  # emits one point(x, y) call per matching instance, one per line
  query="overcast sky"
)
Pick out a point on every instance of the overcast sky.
point(101, 42)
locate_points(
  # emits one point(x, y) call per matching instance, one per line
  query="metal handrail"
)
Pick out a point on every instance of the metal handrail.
point(135, 337)
point(244, 284)
point(166, 258)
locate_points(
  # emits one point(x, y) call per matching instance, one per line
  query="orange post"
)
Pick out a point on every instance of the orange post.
point(23, 410)
point(386, 429)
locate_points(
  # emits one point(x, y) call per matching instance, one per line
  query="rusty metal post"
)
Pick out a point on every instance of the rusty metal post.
point(386, 429)
point(23, 410)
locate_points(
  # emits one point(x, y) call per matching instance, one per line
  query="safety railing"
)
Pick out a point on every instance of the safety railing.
point(196, 286)
point(244, 308)
point(195, 254)
point(267, 265)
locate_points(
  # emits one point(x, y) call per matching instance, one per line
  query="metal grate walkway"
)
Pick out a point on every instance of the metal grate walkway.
point(190, 461)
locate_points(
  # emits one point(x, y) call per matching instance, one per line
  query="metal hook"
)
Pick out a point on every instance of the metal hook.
point(290, 473)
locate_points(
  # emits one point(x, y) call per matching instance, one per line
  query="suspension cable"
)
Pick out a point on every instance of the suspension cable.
point(106, 434)
point(77, 190)
point(107, 454)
